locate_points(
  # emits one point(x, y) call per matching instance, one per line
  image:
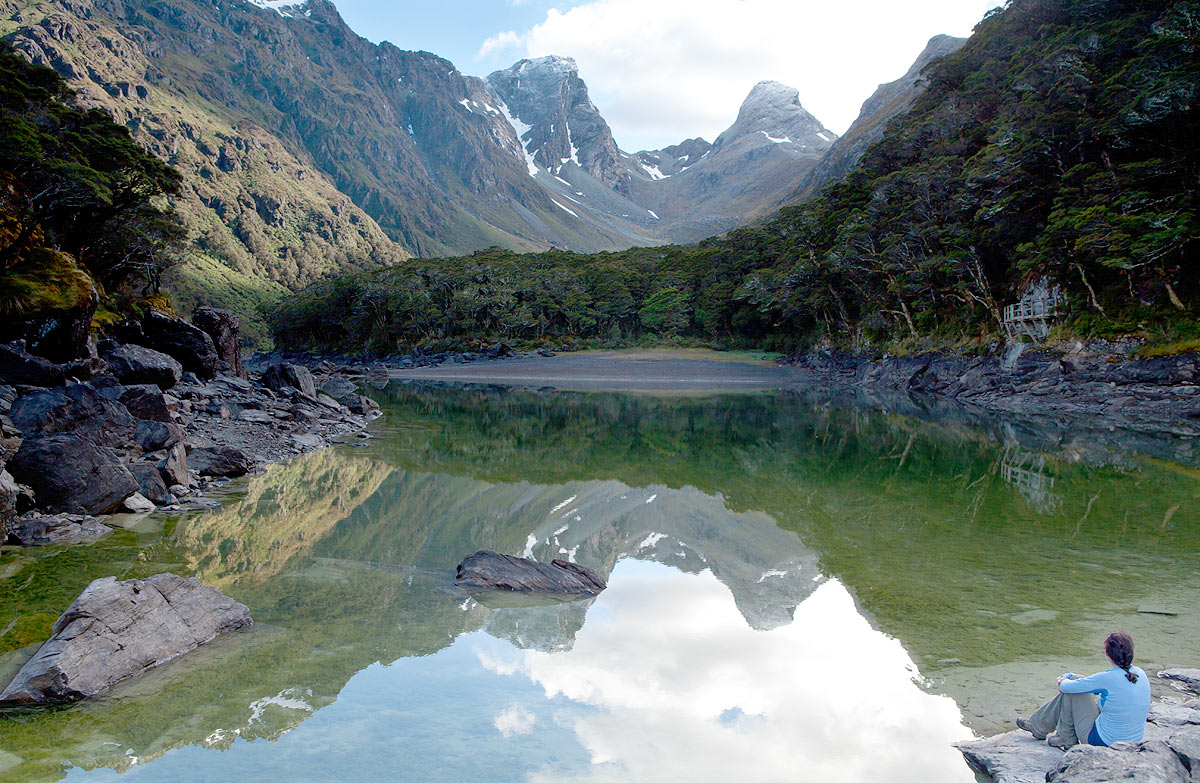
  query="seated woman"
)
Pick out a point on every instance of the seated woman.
point(1072, 717)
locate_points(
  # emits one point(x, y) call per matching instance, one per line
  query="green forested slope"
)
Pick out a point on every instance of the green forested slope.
point(1059, 141)
point(85, 219)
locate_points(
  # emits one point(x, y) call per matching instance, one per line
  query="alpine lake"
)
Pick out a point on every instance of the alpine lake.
point(802, 587)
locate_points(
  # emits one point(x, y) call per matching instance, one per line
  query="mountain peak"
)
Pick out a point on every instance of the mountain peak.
point(772, 114)
point(553, 63)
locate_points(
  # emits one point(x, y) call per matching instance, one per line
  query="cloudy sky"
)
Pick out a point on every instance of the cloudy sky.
point(661, 71)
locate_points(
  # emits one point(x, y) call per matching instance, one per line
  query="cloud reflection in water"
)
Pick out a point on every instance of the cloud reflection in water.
point(684, 689)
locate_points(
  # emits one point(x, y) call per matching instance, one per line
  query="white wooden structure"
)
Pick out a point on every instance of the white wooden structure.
point(1035, 314)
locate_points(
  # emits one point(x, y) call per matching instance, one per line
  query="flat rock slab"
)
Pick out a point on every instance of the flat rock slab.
point(487, 570)
point(1013, 757)
point(116, 630)
point(1145, 762)
point(1187, 679)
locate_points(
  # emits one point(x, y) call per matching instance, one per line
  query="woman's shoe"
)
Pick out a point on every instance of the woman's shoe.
point(1060, 742)
point(1023, 723)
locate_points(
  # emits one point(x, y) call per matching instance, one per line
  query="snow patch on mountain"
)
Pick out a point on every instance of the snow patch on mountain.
point(521, 129)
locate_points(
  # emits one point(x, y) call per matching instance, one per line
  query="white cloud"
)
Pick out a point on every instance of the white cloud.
point(671, 674)
point(514, 720)
point(499, 42)
point(662, 70)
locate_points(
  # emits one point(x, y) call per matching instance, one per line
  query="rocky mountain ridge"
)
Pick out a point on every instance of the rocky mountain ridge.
point(885, 103)
point(308, 152)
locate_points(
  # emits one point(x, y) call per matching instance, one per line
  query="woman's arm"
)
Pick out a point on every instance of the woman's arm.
point(1082, 685)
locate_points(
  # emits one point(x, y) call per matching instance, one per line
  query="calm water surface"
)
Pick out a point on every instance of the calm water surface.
point(798, 591)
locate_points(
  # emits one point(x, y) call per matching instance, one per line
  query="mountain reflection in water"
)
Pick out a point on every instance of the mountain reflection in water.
point(780, 570)
point(665, 682)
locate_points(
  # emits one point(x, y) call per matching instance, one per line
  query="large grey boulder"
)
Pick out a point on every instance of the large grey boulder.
point(219, 461)
point(297, 376)
point(78, 409)
point(156, 435)
point(17, 366)
point(71, 474)
point(150, 482)
point(1144, 762)
point(225, 330)
point(174, 467)
point(133, 364)
point(189, 345)
point(487, 570)
point(337, 388)
point(1013, 757)
point(116, 630)
point(1185, 679)
point(142, 400)
point(1185, 742)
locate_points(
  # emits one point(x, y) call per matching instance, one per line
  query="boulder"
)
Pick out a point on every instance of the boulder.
point(9, 492)
point(137, 503)
point(34, 529)
point(10, 439)
point(150, 483)
point(1186, 744)
point(189, 345)
point(72, 474)
point(225, 330)
point(77, 409)
point(297, 376)
point(1185, 679)
point(58, 330)
point(360, 405)
point(256, 417)
point(1013, 757)
point(156, 435)
point(143, 400)
point(1145, 762)
point(487, 570)
point(337, 388)
point(219, 461)
point(20, 367)
point(117, 630)
point(133, 364)
point(174, 468)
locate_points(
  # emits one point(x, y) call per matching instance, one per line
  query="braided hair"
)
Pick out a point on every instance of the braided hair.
point(1119, 648)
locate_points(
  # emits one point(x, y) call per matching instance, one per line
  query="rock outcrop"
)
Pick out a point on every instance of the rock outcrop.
point(487, 570)
point(225, 461)
point(1169, 753)
point(888, 101)
point(225, 330)
point(116, 630)
point(70, 473)
point(134, 364)
point(1145, 762)
point(281, 376)
point(187, 344)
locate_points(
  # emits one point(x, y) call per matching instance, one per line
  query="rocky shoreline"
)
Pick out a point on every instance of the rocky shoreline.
point(1169, 752)
point(155, 414)
point(1097, 381)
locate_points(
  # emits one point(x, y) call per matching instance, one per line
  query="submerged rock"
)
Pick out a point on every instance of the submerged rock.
point(116, 630)
point(34, 529)
point(487, 570)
